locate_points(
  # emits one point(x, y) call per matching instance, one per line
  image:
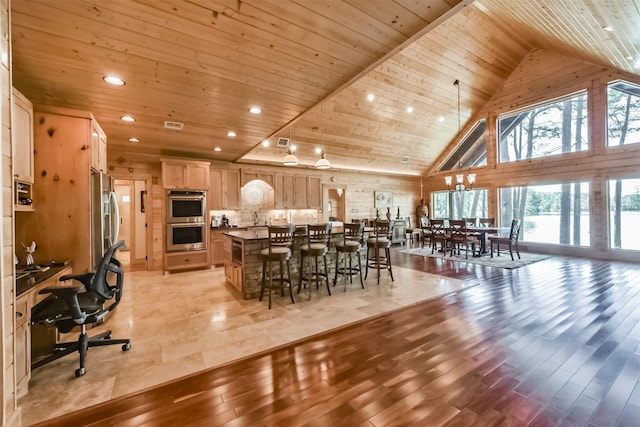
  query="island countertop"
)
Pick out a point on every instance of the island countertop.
point(261, 233)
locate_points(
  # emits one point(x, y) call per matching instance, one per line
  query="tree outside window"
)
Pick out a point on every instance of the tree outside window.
point(555, 214)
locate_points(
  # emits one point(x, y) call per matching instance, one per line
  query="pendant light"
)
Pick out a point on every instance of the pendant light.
point(322, 163)
point(290, 159)
point(459, 176)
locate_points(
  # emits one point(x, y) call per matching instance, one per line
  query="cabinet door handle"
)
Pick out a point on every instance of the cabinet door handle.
point(19, 315)
point(17, 175)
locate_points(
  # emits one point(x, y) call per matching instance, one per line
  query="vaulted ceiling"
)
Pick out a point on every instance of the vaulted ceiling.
point(309, 64)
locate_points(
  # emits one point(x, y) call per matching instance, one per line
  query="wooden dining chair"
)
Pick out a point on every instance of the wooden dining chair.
point(459, 237)
point(470, 222)
point(487, 222)
point(511, 241)
point(438, 234)
point(425, 228)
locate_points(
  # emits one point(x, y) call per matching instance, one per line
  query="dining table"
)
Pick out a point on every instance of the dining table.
point(483, 234)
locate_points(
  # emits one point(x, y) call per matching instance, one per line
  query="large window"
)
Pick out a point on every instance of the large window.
point(472, 151)
point(459, 204)
point(546, 130)
point(624, 213)
point(557, 214)
point(623, 100)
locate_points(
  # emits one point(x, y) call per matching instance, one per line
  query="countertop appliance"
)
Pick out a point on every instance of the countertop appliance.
point(105, 216)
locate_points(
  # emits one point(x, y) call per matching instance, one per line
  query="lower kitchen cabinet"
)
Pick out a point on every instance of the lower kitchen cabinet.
point(186, 260)
point(39, 341)
point(217, 247)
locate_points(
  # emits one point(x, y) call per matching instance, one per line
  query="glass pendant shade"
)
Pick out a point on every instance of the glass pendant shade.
point(323, 163)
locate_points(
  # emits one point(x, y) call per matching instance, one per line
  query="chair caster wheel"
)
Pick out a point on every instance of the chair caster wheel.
point(126, 347)
point(80, 372)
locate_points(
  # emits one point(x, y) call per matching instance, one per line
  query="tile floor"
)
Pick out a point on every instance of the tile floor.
point(186, 322)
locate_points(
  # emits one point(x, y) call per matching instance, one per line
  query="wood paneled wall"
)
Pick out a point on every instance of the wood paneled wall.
point(544, 76)
point(9, 413)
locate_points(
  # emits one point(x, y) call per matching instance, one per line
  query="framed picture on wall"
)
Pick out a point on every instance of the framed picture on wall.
point(384, 199)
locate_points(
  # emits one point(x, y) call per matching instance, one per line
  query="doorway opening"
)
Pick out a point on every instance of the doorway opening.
point(131, 195)
point(335, 203)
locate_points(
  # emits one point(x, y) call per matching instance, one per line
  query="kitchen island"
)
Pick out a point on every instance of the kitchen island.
point(243, 264)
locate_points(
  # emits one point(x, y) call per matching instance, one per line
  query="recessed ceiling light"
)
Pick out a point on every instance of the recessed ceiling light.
point(265, 143)
point(127, 119)
point(371, 97)
point(255, 110)
point(134, 140)
point(318, 150)
point(231, 134)
point(441, 119)
point(293, 148)
point(409, 109)
point(607, 28)
point(217, 149)
point(113, 80)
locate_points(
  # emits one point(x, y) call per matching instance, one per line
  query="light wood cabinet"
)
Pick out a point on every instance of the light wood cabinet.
point(98, 148)
point(186, 260)
point(300, 192)
point(231, 185)
point(61, 223)
point(224, 189)
point(24, 344)
point(22, 152)
point(189, 175)
point(233, 272)
point(22, 138)
point(284, 191)
point(314, 192)
point(217, 247)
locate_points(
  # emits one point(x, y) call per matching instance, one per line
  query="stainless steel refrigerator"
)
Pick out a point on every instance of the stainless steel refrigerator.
point(105, 217)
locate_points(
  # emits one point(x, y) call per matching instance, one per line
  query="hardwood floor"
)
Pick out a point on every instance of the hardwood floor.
point(552, 343)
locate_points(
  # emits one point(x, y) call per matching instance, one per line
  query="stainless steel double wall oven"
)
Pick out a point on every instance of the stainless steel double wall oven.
point(186, 220)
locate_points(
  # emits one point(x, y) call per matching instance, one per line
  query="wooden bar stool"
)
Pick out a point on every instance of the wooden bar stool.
point(316, 247)
point(379, 240)
point(278, 250)
point(350, 245)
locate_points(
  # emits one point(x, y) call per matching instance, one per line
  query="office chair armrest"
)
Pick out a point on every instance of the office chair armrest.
point(69, 294)
point(84, 278)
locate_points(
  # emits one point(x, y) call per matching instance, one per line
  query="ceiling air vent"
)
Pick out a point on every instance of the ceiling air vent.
point(283, 142)
point(405, 160)
point(173, 125)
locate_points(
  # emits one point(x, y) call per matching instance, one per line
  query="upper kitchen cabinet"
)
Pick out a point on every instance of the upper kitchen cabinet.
point(314, 192)
point(185, 175)
point(307, 193)
point(224, 189)
point(284, 191)
point(22, 137)
point(98, 148)
point(22, 151)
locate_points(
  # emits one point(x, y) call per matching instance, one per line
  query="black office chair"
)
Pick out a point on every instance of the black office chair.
point(69, 306)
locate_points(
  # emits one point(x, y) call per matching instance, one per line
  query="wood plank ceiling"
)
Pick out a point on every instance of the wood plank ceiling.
point(309, 64)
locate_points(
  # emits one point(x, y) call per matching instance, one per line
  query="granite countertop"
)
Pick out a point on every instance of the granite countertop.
point(23, 284)
point(261, 233)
